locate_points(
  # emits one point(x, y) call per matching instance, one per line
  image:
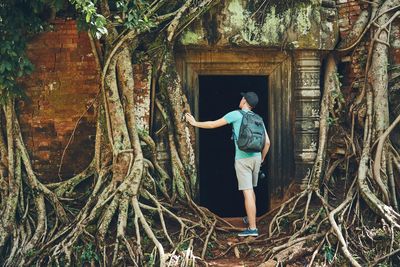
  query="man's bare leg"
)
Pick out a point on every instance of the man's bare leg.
point(250, 206)
point(255, 204)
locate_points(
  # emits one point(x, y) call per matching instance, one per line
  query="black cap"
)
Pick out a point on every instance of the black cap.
point(251, 98)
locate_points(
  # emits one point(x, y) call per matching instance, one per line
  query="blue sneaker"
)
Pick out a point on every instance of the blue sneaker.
point(245, 220)
point(249, 232)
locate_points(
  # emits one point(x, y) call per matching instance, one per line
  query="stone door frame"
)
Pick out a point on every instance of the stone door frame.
point(289, 98)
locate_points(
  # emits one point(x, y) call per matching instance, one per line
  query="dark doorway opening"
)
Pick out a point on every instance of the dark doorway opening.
point(219, 95)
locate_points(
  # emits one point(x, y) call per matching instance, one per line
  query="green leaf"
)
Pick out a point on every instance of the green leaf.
point(7, 66)
point(88, 16)
point(102, 19)
point(130, 17)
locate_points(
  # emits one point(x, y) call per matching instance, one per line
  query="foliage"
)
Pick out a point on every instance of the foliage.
point(87, 253)
point(183, 246)
point(22, 19)
point(331, 121)
point(329, 253)
point(133, 14)
point(94, 21)
point(31, 253)
point(19, 20)
point(150, 258)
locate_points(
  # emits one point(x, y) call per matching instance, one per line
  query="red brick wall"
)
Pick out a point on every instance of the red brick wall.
point(348, 14)
point(65, 82)
point(349, 10)
point(60, 90)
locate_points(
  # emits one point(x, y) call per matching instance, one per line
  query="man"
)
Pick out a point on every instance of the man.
point(247, 165)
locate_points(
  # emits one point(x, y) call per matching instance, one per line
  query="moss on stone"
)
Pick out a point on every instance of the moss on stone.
point(190, 38)
point(238, 13)
point(294, 24)
point(274, 27)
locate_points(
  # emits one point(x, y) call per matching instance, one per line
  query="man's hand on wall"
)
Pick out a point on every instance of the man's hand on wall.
point(190, 119)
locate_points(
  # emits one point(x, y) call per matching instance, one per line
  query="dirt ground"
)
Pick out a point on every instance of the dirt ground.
point(231, 260)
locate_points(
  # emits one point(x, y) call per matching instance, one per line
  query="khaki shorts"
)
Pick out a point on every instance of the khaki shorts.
point(247, 172)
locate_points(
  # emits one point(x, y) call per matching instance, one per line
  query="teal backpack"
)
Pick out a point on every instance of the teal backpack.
point(252, 132)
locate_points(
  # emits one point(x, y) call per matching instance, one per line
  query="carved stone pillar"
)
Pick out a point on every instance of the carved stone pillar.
point(307, 106)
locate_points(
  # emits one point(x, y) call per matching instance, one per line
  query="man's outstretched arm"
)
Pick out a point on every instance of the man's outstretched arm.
point(205, 124)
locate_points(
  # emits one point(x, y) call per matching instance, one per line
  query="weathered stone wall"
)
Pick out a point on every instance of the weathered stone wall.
point(307, 24)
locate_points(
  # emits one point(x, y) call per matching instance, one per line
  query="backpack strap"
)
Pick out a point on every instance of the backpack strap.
point(243, 112)
point(234, 137)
